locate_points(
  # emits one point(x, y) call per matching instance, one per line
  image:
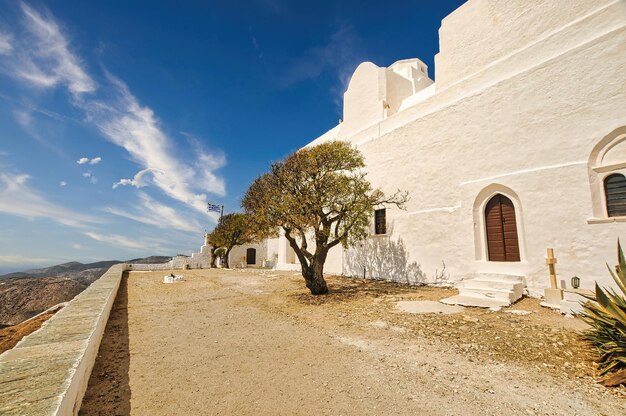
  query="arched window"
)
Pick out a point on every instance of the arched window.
point(606, 166)
point(615, 193)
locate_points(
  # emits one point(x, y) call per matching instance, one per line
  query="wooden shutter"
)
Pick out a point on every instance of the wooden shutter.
point(615, 191)
point(380, 221)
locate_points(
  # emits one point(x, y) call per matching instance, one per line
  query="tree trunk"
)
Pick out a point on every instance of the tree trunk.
point(226, 262)
point(314, 277)
point(213, 259)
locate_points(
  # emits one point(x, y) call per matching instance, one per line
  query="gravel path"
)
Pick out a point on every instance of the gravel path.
point(244, 342)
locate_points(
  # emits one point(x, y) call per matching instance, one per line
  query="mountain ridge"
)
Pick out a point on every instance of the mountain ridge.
point(25, 294)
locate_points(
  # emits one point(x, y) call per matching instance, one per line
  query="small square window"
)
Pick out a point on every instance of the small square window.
point(380, 221)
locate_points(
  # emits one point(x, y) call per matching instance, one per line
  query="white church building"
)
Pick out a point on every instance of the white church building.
point(518, 145)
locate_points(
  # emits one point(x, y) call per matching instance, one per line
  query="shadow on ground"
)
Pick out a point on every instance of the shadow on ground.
point(109, 392)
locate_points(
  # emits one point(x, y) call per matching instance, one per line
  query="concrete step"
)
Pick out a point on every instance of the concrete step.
point(501, 294)
point(498, 277)
point(479, 285)
point(517, 287)
point(478, 301)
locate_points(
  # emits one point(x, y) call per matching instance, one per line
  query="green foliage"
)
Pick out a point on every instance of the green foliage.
point(320, 188)
point(317, 193)
point(231, 230)
point(607, 318)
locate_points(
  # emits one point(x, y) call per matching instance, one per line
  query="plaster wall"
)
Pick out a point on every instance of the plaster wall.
point(522, 97)
point(528, 102)
point(238, 255)
point(481, 32)
point(532, 132)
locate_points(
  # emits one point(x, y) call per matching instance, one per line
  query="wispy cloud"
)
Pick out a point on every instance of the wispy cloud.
point(125, 122)
point(257, 47)
point(17, 198)
point(23, 118)
point(116, 240)
point(152, 212)
point(26, 105)
point(21, 260)
point(339, 55)
point(140, 179)
point(5, 44)
point(85, 160)
point(62, 183)
point(91, 177)
point(45, 61)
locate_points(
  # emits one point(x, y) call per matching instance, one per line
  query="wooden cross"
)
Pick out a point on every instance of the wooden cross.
point(551, 262)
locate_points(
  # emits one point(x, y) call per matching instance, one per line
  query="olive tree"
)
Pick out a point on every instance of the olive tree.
point(231, 230)
point(215, 244)
point(320, 198)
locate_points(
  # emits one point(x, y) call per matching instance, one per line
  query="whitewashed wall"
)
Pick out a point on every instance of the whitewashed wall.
point(523, 96)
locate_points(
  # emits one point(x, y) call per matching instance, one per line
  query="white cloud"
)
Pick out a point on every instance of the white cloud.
point(21, 259)
point(152, 212)
point(116, 240)
point(78, 246)
point(90, 176)
point(139, 180)
point(125, 122)
point(84, 160)
point(339, 55)
point(6, 45)
point(45, 59)
point(16, 198)
point(23, 118)
point(62, 183)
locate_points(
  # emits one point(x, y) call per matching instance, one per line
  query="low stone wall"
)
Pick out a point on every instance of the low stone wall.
point(150, 267)
point(47, 372)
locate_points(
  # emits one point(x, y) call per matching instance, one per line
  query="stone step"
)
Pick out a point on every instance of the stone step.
point(502, 294)
point(498, 277)
point(477, 301)
point(517, 287)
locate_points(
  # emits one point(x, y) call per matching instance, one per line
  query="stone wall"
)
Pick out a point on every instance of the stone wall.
point(47, 372)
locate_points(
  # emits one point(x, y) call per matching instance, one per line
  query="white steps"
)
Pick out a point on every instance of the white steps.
point(488, 291)
point(481, 302)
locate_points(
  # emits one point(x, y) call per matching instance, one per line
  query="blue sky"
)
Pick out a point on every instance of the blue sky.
point(119, 120)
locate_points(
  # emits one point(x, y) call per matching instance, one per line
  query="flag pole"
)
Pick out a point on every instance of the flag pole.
point(221, 211)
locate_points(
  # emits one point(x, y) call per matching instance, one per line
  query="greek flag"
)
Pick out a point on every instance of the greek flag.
point(213, 208)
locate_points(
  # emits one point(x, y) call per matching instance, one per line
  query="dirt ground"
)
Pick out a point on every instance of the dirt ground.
point(246, 342)
point(11, 335)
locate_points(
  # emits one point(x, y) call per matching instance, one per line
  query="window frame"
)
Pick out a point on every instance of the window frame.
point(607, 204)
point(380, 224)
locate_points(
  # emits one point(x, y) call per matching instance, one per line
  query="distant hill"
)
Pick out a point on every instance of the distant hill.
point(25, 294)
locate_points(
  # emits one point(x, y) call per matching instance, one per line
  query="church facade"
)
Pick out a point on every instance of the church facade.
point(518, 145)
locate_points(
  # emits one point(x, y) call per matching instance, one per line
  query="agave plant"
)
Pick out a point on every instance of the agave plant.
point(606, 314)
